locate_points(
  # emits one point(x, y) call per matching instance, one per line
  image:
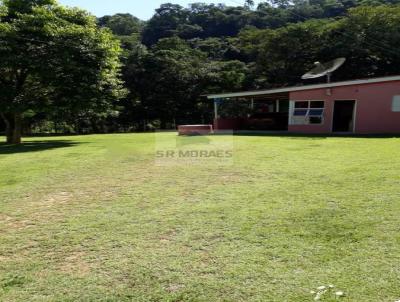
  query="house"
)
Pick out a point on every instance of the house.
point(368, 106)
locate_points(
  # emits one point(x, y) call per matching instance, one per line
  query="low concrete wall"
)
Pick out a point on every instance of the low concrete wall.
point(228, 123)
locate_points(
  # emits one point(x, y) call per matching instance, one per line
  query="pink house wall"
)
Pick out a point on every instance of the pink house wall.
point(373, 107)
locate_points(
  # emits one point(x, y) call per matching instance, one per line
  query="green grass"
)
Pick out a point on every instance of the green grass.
point(92, 218)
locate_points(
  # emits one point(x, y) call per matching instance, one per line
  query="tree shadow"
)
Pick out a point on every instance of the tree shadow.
point(292, 135)
point(35, 146)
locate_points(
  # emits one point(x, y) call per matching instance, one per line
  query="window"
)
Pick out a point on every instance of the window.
point(301, 105)
point(396, 103)
point(308, 112)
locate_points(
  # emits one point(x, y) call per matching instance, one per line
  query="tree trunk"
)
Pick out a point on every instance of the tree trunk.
point(13, 123)
point(17, 131)
point(8, 128)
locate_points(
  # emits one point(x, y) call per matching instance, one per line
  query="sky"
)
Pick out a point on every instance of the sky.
point(143, 9)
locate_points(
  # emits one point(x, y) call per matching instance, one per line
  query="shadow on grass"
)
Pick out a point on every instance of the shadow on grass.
point(35, 146)
point(307, 136)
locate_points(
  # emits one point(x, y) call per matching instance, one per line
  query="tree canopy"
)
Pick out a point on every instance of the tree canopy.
point(122, 24)
point(54, 59)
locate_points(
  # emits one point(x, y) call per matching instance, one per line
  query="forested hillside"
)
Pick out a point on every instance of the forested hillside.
point(182, 53)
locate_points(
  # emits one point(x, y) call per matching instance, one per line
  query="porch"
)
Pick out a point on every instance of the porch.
point(268, 112)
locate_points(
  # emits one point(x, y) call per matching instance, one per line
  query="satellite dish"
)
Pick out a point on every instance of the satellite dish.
point(325, 69)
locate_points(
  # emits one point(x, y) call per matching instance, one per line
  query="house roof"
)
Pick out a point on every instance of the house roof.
point(305, 87)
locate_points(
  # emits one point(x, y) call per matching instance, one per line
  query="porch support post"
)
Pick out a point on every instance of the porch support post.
point(216, 108)
point(216, 126)
point(277, 105)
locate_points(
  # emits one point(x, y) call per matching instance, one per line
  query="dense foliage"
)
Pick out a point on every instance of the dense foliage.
point(178, 55)
point(183, 53)
point(54, 61)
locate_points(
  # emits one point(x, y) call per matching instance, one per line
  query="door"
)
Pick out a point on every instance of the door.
point(343, 116)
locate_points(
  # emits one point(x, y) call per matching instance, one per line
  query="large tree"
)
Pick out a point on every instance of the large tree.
point(165, 23)
point(169, 81)
point(53, 59)
point(122, 24)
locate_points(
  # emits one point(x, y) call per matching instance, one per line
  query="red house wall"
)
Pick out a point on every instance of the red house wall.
point(373, 107)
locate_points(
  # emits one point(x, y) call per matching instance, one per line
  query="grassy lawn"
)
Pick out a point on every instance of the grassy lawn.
point(92, 218)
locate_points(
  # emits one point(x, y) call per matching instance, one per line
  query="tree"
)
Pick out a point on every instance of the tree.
point(284, 54)
point(122, 24)
point(170, 83)
point(225, 76)
point(219, 20)
point(165, 84)
point(53, 58)
point(369, 38)
point(249, 4)
point(218, 48)
point(164, 23)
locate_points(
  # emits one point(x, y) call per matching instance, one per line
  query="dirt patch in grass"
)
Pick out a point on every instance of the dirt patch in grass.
point(75, 265)
point(13, 223)
point(4, 259)
point(173, 288)
point(168, 237)
point(57, 198)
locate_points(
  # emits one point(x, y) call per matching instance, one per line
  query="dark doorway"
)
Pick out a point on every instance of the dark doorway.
point(343, 116)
